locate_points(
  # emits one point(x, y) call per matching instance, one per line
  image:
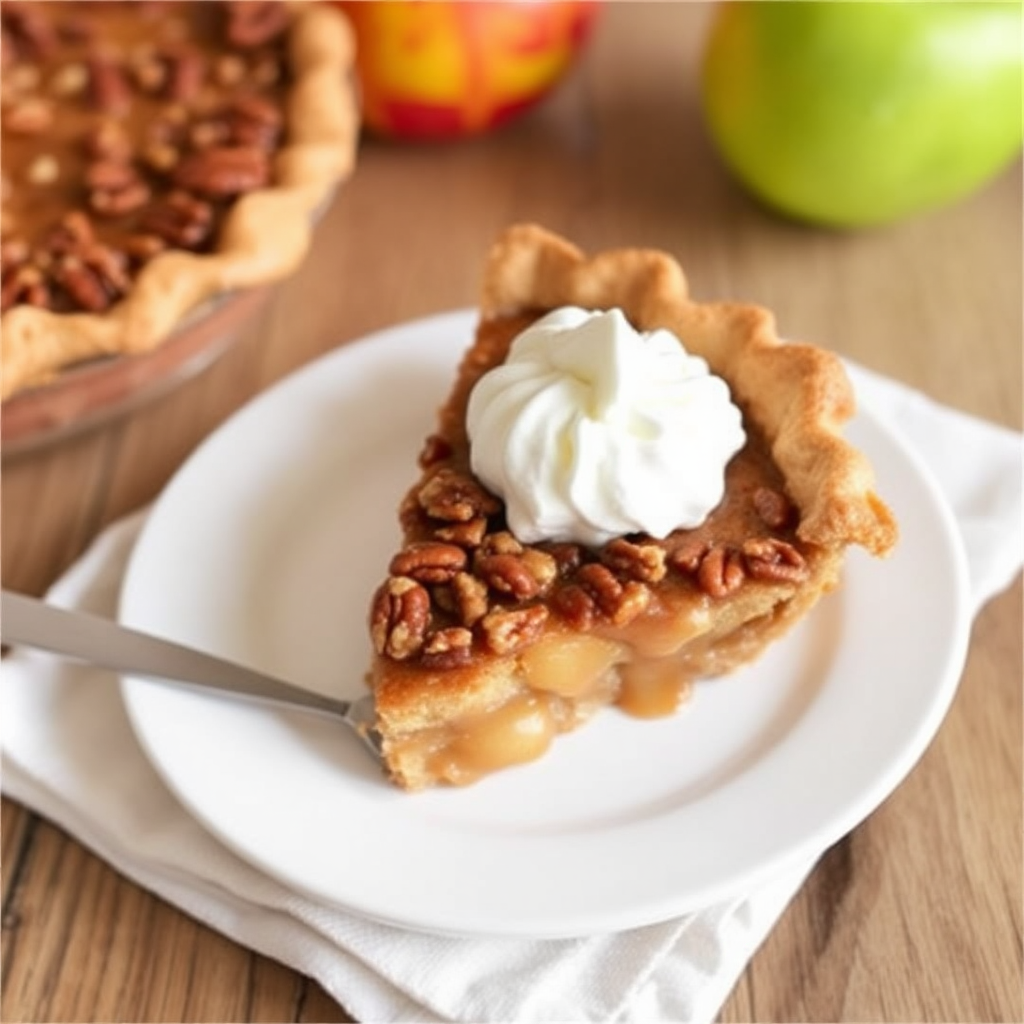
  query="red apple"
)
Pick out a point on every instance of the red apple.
point(434, 70)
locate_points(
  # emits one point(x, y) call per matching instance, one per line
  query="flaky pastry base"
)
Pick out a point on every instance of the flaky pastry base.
point(323, 128)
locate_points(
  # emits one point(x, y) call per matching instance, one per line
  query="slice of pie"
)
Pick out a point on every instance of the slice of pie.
point(493, 631)
point(157, 154)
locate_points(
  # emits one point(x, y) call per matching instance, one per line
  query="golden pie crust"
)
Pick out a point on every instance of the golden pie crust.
point(486, 649)
point(264, 234)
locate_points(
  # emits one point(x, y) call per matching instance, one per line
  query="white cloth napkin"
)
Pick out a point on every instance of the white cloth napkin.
point(68, 752)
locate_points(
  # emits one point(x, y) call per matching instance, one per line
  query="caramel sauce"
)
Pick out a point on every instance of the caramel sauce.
point(653, 688)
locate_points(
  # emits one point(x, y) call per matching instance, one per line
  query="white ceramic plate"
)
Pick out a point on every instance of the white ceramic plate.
point(265, 549)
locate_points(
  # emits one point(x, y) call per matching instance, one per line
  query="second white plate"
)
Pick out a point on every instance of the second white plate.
point(265, 549)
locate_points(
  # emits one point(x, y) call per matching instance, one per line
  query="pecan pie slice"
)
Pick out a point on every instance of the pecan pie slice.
point(157, 153)
point(489, 644)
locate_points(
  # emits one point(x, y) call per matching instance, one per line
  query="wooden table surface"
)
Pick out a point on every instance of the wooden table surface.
point(914, 916)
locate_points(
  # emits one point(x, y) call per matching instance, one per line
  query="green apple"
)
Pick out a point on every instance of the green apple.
point(858, 113)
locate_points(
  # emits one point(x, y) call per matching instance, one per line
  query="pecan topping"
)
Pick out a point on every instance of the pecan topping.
point(774, 509)
point(253, 120)
point(428, 562)
point(508, 574)
point(117, 202)
point(500, 543)
point(468, 535)
point(180, 220)
point(13, 252)
point(768, 558)
point(567, 556)
point(24, 285)
point(507, 629)
point(600, 582)
point(72, 233)
point(448, 648)
point(688, 555)
point(720, 571)
point(28, 117)
point(621, 603)
point(470, 595)
point(575, 605)
point(30, 30)
point(94, 277)
point(143, 248)
point(185, 71)
point(399, 618)
point(645, 562)
point(109, 86)
point(223, 171)
point(110, 174)
point(82, 284)
point(455, 497)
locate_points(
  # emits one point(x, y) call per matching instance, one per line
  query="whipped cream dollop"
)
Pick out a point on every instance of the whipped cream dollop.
point(590, 430)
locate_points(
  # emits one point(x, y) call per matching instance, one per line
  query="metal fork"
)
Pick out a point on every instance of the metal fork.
point(29, 622)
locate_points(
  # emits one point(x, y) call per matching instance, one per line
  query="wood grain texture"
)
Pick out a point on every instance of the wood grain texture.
point(914, 916)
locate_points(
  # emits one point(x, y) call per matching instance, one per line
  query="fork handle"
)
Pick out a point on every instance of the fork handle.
point(30, 622)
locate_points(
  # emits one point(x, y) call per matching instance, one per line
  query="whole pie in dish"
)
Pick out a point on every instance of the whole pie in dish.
point(500, 625)
point(157, 154)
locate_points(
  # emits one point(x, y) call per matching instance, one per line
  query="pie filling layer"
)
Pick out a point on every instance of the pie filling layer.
point(558, 683)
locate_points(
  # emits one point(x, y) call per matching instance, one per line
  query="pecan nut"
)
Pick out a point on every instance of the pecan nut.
point(82, 283)
point(468, 535)
point(109, 86)
point(688, 555)
point(110, 174)
point(621, 603)
point(447, 648)
point(508, 629)
point(455, 498)
point(94, 277)
point(470, 596)
point(253, 120)
point(399, 617)
point(121, 201)
point(567, 556)
point(645, 562)
point(774, 560)
point(71, 234)
point(429, 562)
point(507, 574)
point(223, 171)
point(24, 285)
point(180, 220)
point(575, 605)
point(31, 116)
point(773, 508)
point(720, 571)
point(185, 71)
point(31, 32)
